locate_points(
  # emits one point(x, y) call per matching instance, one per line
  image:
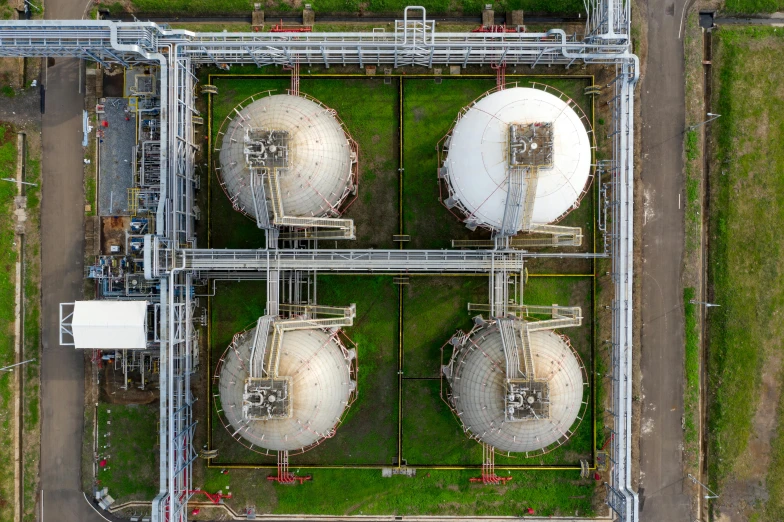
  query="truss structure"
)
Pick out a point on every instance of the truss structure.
point(171, 253)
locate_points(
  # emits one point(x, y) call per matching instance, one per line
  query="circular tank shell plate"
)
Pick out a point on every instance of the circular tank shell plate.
point(319, 171)
point(320, 390)
point(478, 392)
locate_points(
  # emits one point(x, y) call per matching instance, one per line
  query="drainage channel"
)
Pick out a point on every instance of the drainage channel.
point(704, 290)
point(19, 315)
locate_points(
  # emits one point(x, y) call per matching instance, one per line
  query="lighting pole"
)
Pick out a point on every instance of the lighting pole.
point(11, 367)
point(712, 494)
point(707, 304)
point(12, 180)
point(712, 117)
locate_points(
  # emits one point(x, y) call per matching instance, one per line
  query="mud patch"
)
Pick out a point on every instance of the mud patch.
point(113, 234)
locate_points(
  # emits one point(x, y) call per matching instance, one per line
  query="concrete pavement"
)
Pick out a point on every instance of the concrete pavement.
point(662, 493)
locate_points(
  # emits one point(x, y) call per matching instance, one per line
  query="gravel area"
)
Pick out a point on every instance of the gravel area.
point(115, 175)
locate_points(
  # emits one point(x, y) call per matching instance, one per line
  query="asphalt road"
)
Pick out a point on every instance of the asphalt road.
point(663, 120)
point(62, 247)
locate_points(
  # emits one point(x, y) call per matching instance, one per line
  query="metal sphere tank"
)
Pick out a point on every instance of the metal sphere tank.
point(296, 135)
point(319, 386)
point(524, 126)
point(479, 392)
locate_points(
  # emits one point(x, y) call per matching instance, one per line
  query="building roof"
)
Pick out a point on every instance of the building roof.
point(477, 161)
point(110, 325)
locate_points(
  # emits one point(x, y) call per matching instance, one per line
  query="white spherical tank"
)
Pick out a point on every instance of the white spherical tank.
point(302, 139)
point(319, 386)
point(477, 163)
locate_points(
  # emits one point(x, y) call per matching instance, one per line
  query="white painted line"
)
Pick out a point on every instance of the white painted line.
point(679, 201)
point(92, 506)
point(682, 13)
point(42, 505)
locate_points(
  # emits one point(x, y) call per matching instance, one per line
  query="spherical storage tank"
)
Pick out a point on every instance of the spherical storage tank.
point(319, 386)
point(302, 140)
point(478, 158)
point(484, 398)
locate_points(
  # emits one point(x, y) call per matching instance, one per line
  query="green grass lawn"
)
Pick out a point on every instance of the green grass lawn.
point(746, 248)
point(753, 6)
point(429, 110)
point(7, 288)
point(431, 492)
point(692, 366)
point(131, 472)
point(193, 7)
point(433, 309)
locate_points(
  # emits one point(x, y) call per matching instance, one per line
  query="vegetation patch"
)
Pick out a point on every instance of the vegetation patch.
point(32, 333)
point(431, 492)
point(7, 289)
point(753, 6)
point(128, 442)
point(433, 308)
point(429, 112)
point(692, 366)
point(745, 268)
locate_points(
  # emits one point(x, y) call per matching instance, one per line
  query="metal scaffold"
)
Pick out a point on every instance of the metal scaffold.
point(173, 259)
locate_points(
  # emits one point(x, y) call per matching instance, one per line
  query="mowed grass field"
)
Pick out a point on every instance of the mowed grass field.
point(753, 6)
point(368, 435)
point(368, 109)
point(429, 112)
point(746, 442)
point(128, 440)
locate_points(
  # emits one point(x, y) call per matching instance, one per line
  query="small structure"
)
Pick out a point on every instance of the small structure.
point(104, 325)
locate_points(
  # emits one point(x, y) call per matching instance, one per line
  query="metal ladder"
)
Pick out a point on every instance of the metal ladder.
point(259, 198)
point(515, 198)
point(260, 340)
point(271, 364)
point(525, 347)
point(531, 182)
point(511, 351)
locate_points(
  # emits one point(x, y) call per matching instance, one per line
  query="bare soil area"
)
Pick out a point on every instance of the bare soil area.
point(747, 490)
point(113, 233)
